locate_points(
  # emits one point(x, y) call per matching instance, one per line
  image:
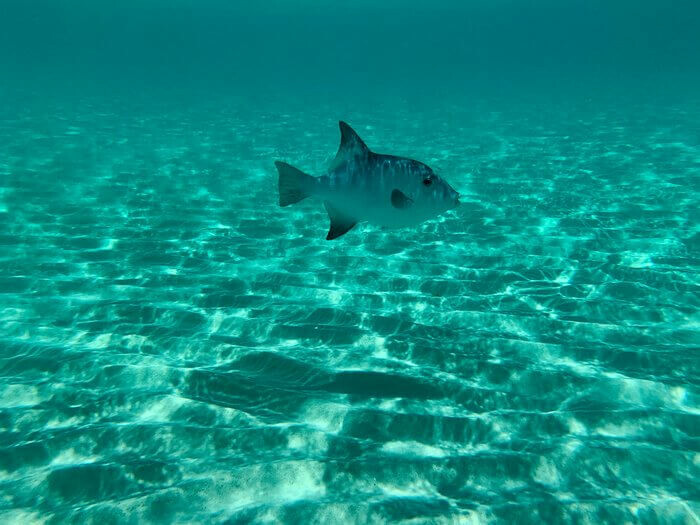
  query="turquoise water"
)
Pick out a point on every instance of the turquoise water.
point(175, 347)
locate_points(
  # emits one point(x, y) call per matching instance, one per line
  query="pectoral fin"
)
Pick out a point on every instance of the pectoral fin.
point(400, 200)
point(340, 223)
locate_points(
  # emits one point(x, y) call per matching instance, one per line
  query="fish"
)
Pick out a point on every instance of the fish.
point(361, 185)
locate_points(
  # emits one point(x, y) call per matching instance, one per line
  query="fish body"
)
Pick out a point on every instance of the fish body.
point(362, 185)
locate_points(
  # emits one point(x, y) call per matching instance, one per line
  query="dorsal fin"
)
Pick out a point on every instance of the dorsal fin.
point(351, 145)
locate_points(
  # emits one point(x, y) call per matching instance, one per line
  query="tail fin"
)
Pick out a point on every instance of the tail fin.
point(294, 184)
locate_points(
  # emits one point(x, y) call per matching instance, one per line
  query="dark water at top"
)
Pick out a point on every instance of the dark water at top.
point(373, 48)
point(175, 347)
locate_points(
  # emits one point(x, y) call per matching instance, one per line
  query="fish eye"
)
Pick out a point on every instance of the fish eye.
point(427, 182)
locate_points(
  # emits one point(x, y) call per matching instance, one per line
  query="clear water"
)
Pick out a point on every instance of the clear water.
point(175, 347)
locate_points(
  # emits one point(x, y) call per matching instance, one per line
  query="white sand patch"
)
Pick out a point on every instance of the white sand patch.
point(388, 405)
point(22, 517)
point(161, 409)
point(565, 276)
point(415, 487)
point(328, 417)
point(330, 296)
point(575, 426)
point(547, 224)
point(109, 244)
point(420, 307)
point(501, 431)
point(636, 260)
point(512, 327)
point(71, 457)
point(679, 399)
point(582, 369)
point(270, 485)
point(63, 423)
point(623, 430)
point(101, 341)
point(310, 443)
point(77, 338)
point(134, 341)
point(547, 473)
point(375, 344)
point(216, 321)
point(413, 448)
point(12, 396)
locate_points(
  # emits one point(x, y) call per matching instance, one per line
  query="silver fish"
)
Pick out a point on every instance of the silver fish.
point(365, 186)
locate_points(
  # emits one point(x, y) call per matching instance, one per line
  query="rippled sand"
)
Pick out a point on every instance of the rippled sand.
point(176, 347)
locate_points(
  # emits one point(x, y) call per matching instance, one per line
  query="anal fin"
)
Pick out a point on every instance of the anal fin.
point(340, 223)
